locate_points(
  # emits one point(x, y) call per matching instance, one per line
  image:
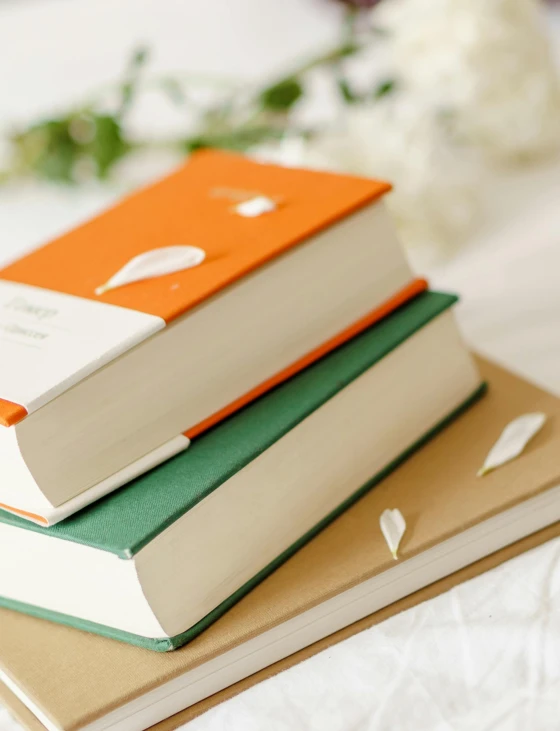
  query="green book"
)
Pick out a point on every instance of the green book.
point(159, 560)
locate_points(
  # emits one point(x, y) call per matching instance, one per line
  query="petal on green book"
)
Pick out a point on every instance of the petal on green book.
point(393, 526)
point(155, 263)
point(513, 440)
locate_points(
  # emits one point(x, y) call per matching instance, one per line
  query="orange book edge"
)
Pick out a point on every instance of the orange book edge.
point(11, 413)
point(414, 288)
point(25, 514)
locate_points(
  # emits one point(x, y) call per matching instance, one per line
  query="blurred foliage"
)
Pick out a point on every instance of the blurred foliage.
point(359, 4)
point(88, 141)
point(71, 148)
point(282, 96)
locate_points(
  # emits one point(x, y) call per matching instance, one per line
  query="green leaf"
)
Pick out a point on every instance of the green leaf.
point(139, 57)
point(127, 91)
point(238, 140)
point(54, 149)
point(192, 144)
point(281, 96)
point(344, 51)
point(47, 150)
point(130, 84)
point(108, 145)
point(385, 88)
point(173, 89)
point(57, 164)
point(346, 92)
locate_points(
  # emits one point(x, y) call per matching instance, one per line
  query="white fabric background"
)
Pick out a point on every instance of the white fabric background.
point(484, 656)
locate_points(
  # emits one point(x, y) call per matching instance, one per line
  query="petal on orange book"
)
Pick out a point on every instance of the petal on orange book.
point(413, 289)
point(11, 413)
point(194, 207)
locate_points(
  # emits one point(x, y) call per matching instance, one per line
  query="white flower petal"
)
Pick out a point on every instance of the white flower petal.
point(255, 207)
point(513, 440)
point(393, 526)
point(155, 263)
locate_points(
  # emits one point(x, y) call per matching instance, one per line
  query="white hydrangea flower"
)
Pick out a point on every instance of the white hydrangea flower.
point(435, 192)
point(487, 62)
point(475, 82)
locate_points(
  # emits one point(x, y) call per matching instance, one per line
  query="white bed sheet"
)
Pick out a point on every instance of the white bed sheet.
point(484, 656)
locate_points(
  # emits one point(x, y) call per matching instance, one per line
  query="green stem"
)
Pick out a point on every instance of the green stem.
point(157, 82)
point(349, 25)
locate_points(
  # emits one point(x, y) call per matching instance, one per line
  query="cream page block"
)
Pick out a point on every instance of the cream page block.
point(50, 341)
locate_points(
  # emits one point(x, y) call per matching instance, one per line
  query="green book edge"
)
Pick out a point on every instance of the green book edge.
point(165, 644)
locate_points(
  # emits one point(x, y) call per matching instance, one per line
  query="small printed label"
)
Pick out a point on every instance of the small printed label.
point(50, 341)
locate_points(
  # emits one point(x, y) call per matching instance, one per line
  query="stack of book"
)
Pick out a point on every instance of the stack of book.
point(196, 384)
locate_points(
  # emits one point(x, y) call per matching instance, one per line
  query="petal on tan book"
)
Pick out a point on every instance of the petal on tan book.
point(393, 526)
point(513, 440)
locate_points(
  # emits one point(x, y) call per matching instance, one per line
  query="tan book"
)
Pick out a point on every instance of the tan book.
point(29, 721)
point(341, 582)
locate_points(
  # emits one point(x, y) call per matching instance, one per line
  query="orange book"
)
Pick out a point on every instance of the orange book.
point(127, 337)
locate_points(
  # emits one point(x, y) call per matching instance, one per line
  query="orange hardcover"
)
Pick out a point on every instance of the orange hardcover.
point(195, 206)
point(162, 215)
